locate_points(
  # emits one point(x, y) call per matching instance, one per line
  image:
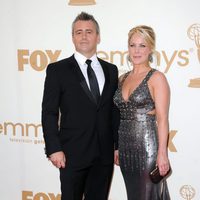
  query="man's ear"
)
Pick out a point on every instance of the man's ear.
point(73, 39)
point(99, 39)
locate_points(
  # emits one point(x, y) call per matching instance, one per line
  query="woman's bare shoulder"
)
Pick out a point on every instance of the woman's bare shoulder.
point(158, 76)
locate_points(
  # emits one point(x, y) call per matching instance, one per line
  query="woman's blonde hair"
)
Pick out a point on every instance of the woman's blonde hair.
point(146, 32)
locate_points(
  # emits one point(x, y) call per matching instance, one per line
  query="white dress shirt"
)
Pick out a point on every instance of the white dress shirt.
point(95, 66)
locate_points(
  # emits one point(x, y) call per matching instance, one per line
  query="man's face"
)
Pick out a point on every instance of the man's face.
point(85, 38)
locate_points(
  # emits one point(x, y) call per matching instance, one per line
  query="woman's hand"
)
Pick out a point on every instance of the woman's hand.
point(163, 164)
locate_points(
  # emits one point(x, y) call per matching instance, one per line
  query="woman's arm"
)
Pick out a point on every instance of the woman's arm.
point(161, 93)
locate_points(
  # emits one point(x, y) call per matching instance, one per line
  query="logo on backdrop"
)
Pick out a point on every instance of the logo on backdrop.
point(29, 195)
point(28, 133)
point(32, 133)
point(81, 2)
point(187, 192)
point(194, 34)
point(39, 59)
point(171, 145)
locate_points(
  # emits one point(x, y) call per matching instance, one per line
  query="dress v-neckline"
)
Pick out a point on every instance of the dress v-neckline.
point(133, 92)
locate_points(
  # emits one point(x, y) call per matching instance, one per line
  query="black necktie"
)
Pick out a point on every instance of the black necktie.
point(94, 87)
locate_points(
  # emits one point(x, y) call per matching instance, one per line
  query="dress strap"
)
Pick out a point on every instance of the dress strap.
point(150, 73)
point(124, 76)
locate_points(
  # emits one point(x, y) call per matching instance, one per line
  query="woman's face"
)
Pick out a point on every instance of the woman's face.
point(139, 50)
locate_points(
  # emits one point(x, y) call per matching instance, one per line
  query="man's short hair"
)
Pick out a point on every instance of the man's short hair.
point(83, 16)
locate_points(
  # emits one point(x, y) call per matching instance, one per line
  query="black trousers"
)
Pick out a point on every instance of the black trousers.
point(90, 183)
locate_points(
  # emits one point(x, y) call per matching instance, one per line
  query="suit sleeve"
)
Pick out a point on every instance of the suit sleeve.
point(115, 115)
point(50, 111)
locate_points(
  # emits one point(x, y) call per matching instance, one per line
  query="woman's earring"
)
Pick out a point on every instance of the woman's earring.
point(150, 58)
point(128, 61)
point(128, 58)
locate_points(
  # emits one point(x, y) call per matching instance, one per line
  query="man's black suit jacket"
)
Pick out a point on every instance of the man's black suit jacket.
point(71, 120)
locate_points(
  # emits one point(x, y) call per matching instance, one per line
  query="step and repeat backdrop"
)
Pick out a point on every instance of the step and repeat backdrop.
point(35, 33)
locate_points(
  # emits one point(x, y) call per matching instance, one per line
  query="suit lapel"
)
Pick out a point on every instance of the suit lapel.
point(77, 71)
point(107, 82)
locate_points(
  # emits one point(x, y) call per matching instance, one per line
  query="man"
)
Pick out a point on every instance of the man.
point(79, 124)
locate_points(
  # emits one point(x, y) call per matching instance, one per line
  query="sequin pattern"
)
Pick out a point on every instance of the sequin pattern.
point(138, 142)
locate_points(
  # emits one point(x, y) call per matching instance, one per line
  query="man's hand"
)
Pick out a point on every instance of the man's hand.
point(58, 159)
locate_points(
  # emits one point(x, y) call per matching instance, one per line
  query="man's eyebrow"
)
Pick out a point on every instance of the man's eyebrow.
point(78, 30)
point(88, 29)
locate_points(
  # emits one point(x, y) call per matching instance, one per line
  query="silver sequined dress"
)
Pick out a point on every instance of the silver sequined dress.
point(138, 142)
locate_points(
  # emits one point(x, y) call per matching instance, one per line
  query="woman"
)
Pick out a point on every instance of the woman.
point(143, 98)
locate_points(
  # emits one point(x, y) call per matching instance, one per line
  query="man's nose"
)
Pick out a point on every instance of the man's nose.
point(84, 35)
